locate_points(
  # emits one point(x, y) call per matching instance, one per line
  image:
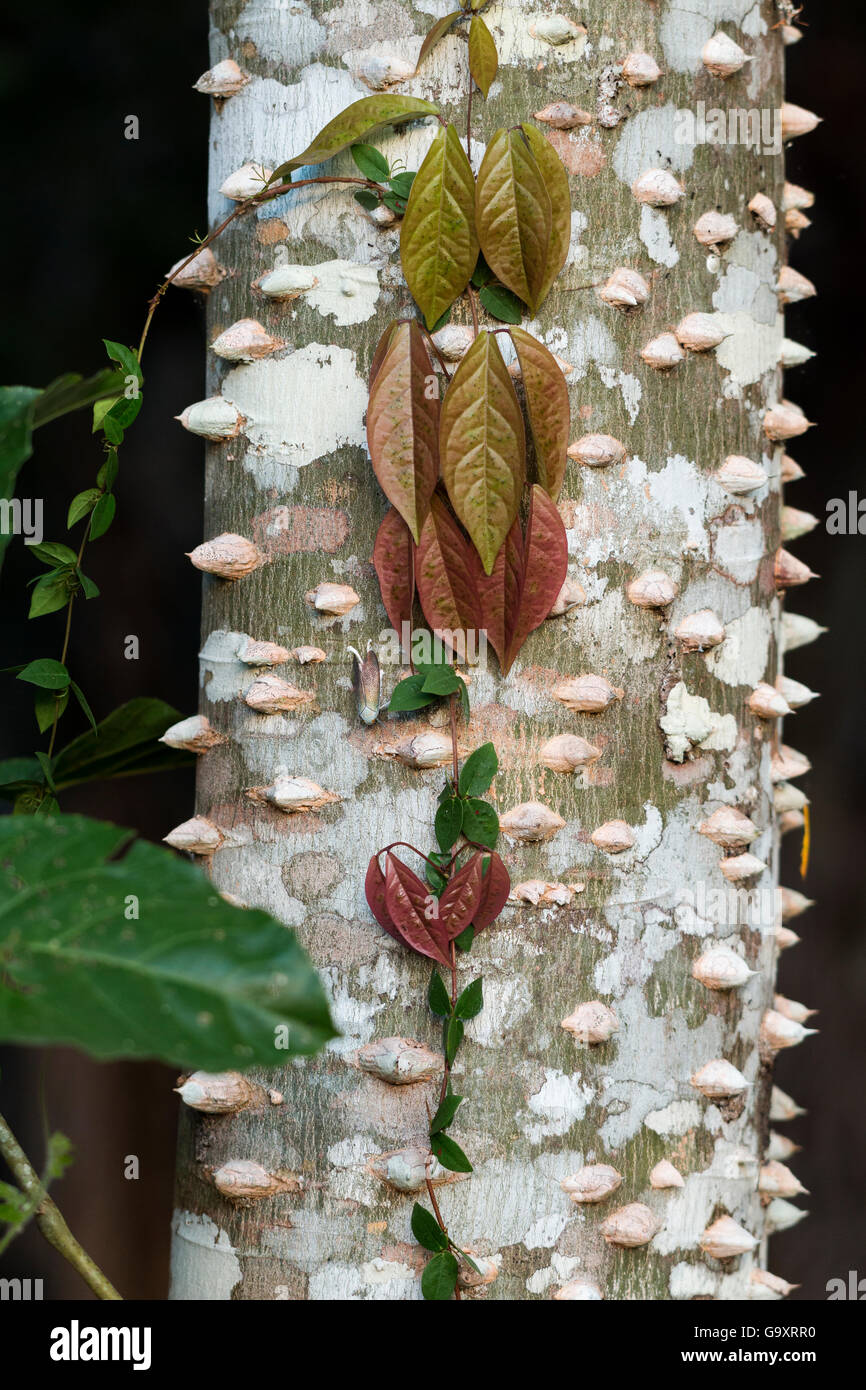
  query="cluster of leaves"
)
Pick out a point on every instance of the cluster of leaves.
point(394, 184)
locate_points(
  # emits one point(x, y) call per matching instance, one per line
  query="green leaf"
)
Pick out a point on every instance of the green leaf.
point(90, 589)
point(77, 692)
point(445, 1113)
point(45, 672)
point(439, 680)
point(556, 182)
point(81, 505)
point(464, 698)
point(464, 941)
point(480, 822)
point(47, 769)
point(471, 1001)
point(107, 474)
point(127, 358)
point(50, 593)
point(438, 1001)
point(124, 744)
point(359, 119)
point(478, 771)
point(434, 876)
point(482, 447)
point(439, 1279)
point(59, 1156)
point(17, 409)
point(103, 515)
point(401, 183)
point(17, 774)
point(483, 58)
point(408, 695)
point(367, 198)
point(482, 273)
point(46, 706)
point(438, 241)
point(453, 1037)
point(371, 162)
point(548, 406)
point(74, 392)
point(513, 215)
point(434, 34)
point(403, 425)
point(501, 304)
point(448, 822)
point(450, 1154)
point(53, 552)
point(191, 980)
point(426, 1229)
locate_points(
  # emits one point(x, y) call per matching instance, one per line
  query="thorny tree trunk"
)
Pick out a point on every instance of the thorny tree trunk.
point(297, 481)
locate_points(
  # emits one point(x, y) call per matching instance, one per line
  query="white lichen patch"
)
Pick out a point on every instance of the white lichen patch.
point(204, 1263)
point(656, 236)
point(222, 675)
point(738, 549)
point(674, 1120)
point(742, 657)
point(557, 1105)
point(651, 138)
point(300, 408)
point(687, 24)
point(689, 722)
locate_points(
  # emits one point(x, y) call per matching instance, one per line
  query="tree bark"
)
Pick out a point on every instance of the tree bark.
point(297, 481)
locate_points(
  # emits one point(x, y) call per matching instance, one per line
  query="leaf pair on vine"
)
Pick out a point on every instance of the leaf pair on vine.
point(461, 810)
point(407, 910)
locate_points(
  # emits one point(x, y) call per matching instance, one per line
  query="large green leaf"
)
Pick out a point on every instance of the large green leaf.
point(556, 182)
point(483, 58)
point(438, 241)
point(548, 406)
point(74, 392)
point(191, 981)
point(513, 215)
point(353, 124)
point(403, 425)
point(124, 743)
point(482, 447)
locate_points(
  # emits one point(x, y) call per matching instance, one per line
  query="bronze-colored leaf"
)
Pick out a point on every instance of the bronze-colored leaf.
point(483, 58)
point(548, 407)
point(499, 592)
point(495, 887)
point(482, 447)
point(394, 563)
point(379, 354)
point(545, 567)
point(438, 31)
point(438, 241)
point(446, 572)
point(351, 125)
point(415, 911)
point(556, 182)
point(403, 425)
point(513, 214)
point(461, 897)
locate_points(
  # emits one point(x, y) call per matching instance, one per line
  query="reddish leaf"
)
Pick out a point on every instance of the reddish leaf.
point(545, 566)
point(438, 31)
point(495, 887)
point(415, 911)
point(403, 425)
point(483, 447)
point(394, 563)
point(374, 891)
point(461, 897)
point(548, 406)
point(379, 355)
point(446, 574)
point(499, 591)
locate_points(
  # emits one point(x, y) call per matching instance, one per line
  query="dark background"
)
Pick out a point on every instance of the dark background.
point(92, 221)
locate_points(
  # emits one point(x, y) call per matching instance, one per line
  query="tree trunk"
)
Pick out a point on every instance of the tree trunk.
point(297, 481)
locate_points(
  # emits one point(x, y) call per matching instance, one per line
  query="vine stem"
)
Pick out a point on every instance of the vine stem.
point(65, 650)
point(49, 1218)
point(266, 196)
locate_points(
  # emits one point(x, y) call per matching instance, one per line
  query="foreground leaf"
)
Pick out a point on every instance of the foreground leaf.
point(513, 215)
point(548, 407)
point(438, 241)
point(351, 125)
point(403, 425)
point(192, 981)
point(482, 447)
point(445, 575)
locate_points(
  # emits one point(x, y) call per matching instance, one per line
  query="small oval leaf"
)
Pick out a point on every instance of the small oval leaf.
point(483, 58)
point(548, 406)
point(513, 215)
